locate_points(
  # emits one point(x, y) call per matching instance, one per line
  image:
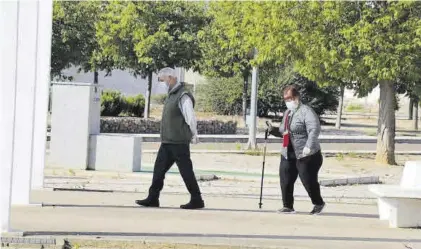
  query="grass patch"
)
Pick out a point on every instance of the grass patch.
point(340, 156)
point(72, 172)
point(354, 107)
point(256, 152)
point(352, 155)
point(237, 146)
point(370, 132)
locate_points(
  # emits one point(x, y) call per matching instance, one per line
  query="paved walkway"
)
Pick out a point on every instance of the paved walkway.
point(228, 221)
point(110, 219)
point(239, 176)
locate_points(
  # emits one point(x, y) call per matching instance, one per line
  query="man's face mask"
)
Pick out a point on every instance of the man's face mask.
point(164, 83)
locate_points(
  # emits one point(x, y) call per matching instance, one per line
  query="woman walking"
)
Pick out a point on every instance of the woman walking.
point(301, 153)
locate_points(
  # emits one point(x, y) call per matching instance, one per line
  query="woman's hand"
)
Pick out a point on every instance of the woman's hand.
point(306, 151)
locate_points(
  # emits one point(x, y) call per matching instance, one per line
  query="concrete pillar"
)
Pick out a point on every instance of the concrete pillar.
point(42, 92)
point(75, 116)
point(8, 53)
point(25, 100)
point(24, 72)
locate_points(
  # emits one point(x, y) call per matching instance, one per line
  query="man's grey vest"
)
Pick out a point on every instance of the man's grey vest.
point(174, 129)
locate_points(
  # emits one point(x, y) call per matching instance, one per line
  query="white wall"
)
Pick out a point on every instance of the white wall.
point(372, 100)
point(120, 80)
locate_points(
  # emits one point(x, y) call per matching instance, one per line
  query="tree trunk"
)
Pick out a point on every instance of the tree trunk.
point(148, 97)
point(245, 86)
point(340, 107)
point(95, 77)
point(416, 104)
point(386, 124)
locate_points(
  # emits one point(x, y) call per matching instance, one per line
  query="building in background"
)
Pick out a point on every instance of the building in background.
point(122, 81)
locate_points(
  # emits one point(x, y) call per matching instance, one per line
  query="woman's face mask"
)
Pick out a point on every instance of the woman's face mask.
point(291, 104)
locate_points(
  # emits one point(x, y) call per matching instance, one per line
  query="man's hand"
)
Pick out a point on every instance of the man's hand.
point(195, 140)
point(306, 151)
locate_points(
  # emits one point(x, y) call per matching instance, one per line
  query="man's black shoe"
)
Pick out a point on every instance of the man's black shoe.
point(318, 209)
point(148, 202)
point(194, 205)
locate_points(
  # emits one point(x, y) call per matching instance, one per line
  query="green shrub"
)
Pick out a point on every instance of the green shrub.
point(135, 105)
point(224, 95)
point(274, 79)
point(112, 103)
point(159, 98)
point(354, 107)
point(220, 95)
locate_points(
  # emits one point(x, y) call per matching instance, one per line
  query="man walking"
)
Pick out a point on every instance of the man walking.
point(178, 130)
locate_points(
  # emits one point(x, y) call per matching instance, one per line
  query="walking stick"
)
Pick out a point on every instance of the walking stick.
point(263, 166)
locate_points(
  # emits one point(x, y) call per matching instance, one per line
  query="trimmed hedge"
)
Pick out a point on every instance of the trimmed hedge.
point(114, 104)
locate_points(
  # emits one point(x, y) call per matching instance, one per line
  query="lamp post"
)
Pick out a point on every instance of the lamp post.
point(253, 107)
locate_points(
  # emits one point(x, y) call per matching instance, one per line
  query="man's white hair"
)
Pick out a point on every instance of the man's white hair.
point(167, 72)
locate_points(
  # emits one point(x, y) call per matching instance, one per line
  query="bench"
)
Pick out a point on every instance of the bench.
point(401, 204)
point(115, 152)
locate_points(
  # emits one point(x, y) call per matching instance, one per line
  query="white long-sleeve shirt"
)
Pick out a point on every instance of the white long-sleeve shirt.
point(186, 107)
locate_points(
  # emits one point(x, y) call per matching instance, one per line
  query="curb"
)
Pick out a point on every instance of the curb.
point(97, 240)
point(261, 139)
point(18, 240)
point(155, 138)
point(277, 152)
point(205, 178)
point(350, 181)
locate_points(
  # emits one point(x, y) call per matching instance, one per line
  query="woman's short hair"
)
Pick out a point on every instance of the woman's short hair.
point(294, 90)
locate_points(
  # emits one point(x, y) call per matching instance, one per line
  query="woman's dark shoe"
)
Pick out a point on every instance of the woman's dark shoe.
point(317, 209)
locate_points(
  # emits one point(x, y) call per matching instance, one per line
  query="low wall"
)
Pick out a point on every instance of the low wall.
point(151, 126)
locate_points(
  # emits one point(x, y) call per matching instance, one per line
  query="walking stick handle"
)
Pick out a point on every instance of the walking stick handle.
point(267, 129)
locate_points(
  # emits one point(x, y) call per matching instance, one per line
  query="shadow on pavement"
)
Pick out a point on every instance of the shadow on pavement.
point(371, 216)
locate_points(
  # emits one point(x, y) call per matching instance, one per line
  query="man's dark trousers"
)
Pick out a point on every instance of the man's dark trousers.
point(307, 168)
point(169, 154)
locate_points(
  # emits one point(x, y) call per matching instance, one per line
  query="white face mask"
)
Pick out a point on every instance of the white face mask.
point(291, 105)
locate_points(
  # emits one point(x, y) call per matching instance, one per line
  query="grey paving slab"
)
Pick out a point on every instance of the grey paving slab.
point(225, 220)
